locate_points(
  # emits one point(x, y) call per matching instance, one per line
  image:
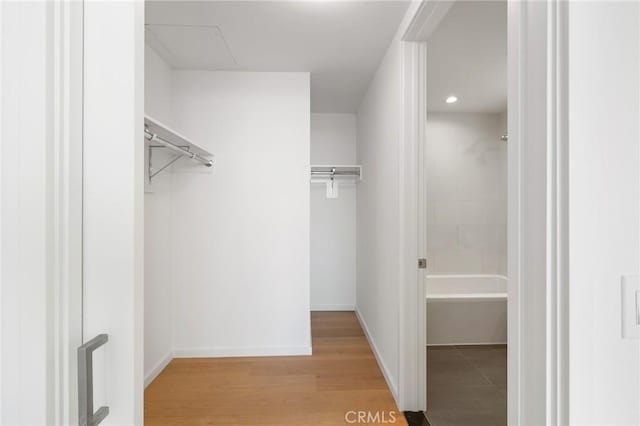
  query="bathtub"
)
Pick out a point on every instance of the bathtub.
point(466, 309)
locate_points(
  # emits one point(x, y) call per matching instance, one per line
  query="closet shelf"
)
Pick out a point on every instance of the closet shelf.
point(160, 136)
point(320, 173)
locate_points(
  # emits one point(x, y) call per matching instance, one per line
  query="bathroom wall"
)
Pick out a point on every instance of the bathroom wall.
point(240, 244)
point(466, 193)
point(157, 225)
point(333, 220)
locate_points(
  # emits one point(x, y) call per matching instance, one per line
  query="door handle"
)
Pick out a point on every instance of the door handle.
point(85, 383)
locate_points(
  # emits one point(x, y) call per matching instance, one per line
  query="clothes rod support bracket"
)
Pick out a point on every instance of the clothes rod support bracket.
point(153, 174)
point(179, 150)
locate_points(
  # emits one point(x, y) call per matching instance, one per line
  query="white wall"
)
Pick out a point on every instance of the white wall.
point(227, 249)
point(240, 231)
point(378, 212)
point(158, 312)
point(604, 104)
point(466, 193)
point(333, 220)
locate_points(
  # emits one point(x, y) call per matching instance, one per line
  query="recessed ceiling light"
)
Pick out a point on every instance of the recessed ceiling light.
point(452, 99)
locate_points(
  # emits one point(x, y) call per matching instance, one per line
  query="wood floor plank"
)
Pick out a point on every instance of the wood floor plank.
point(341, 376)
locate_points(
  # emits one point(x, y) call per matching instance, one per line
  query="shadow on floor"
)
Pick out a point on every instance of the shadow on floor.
point(467, 385)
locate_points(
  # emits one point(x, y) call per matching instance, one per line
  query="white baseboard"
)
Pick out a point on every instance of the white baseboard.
point(157, 369)
point(241, 352)
point(376, 353)
point(222, 353)
point(333, 308)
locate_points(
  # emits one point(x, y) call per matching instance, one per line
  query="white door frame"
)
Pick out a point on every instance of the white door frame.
point(67, 33)
point(412, 336)
point(413, 203)
point(537, 212)
point(41, 128)
point(113, 140)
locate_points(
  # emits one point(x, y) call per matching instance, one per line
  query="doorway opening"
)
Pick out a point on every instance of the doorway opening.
point(251, 261)
point(466, 186)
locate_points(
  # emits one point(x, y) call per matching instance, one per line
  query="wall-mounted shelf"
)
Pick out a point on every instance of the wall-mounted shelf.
point(158, 135)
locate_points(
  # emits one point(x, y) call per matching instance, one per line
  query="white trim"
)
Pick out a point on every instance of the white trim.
point(228, 352)
point(157, 369)
point(558, 216)
point(469, 344)
point(427, 19)
point(412, 356)
point(321, 308)
point(2, 208)
point(66, 48)
point(538, 191)
point(381, 364)
point(516, 64)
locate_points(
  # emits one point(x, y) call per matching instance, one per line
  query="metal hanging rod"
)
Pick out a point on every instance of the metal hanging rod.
point(336, 171)
point(152, 137)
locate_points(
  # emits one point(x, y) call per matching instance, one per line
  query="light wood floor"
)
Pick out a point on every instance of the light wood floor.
point(341, 376)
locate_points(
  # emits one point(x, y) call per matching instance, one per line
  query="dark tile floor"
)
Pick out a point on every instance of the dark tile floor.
point(467, 385)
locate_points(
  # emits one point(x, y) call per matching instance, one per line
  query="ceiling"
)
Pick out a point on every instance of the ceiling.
point(340, 42)
point(467, 57)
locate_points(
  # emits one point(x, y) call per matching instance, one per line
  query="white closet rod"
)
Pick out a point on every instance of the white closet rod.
point(178, 149)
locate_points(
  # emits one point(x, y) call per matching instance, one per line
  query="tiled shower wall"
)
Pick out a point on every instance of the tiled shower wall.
point(466, 193)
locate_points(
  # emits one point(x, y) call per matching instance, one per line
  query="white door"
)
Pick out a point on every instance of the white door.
point(112, 232)
point(71, 155)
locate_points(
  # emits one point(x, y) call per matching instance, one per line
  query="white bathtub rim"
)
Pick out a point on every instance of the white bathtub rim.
point(466, 297)
point(469, 344)
point(441, 276)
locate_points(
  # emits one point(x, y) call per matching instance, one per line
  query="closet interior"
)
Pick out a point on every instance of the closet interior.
point(252, 172)
point(271, 198)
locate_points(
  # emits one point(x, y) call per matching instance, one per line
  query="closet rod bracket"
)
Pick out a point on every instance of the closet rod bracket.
point(160, 136)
